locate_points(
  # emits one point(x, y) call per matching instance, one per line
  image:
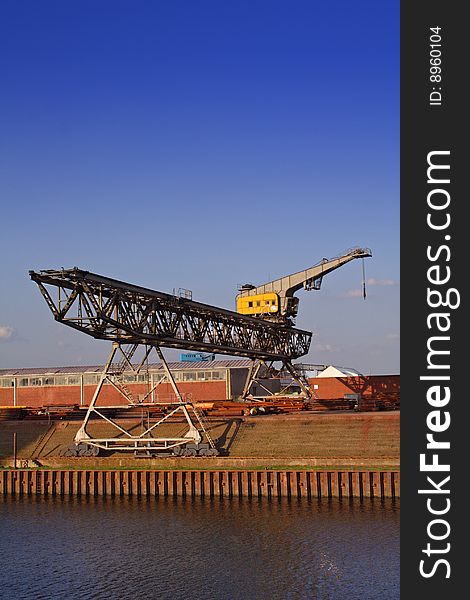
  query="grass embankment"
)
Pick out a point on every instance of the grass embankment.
point(297, 441)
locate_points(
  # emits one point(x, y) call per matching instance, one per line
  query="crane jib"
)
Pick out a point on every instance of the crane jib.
point(110, 309)
point(275, 299)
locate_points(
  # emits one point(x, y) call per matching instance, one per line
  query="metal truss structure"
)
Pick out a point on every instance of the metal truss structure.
point(190, 443)
point(261, 369)
point(109, 309)
point(131, 316)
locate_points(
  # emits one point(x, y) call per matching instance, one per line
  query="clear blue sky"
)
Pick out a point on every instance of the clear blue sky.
point(201, 145)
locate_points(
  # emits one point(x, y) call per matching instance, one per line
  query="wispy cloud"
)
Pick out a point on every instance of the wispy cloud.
point(369, 282)
point(324, 348)
point(352, 294)
point(6, 333)
point(393, 336)
point(373, 281)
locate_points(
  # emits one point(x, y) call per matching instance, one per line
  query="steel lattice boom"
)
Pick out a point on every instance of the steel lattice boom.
point(109, 309)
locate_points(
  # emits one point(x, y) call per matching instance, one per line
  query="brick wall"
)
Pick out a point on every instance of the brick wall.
point(38, 396)
point(330, 388)
point(6, 396)
point(202, 390)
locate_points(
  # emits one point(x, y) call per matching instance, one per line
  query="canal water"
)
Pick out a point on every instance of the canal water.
point(198, 549)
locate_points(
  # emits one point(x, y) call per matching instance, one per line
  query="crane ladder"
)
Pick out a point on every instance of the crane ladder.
point(200, 420)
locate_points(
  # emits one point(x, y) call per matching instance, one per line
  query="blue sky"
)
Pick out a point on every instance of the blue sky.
point(201, 145)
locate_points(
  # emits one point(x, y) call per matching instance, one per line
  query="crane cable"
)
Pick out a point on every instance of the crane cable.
point(363, 280)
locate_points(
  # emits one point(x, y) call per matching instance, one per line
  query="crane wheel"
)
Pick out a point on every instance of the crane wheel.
point(69, 451)
point(189, 452)
point(212, 452)
point(86, 450)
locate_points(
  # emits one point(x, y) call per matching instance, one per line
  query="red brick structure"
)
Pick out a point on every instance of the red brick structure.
point(216, 380)
point(368, 386)
point(201, 381)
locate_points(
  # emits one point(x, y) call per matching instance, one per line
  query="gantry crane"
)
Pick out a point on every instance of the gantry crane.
point(131, 316)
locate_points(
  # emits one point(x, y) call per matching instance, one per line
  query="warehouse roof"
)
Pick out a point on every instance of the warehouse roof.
point(174, 366)
point(333, 371)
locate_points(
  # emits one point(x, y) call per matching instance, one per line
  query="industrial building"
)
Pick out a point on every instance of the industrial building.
point(197, 381)
point(216, 380)
point(336, 382)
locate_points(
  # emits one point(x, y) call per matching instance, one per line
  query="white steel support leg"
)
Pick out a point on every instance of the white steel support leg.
point(168, 374)
point(130, 441)
point(192, 433)
point(252, 374)
point(82, 434)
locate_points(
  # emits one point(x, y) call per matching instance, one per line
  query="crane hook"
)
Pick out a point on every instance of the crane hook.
point(363, 280)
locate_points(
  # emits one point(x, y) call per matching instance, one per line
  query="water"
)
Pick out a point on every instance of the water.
point(182, 549)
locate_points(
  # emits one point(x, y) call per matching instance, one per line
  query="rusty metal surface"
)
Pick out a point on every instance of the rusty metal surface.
point(210, 483)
